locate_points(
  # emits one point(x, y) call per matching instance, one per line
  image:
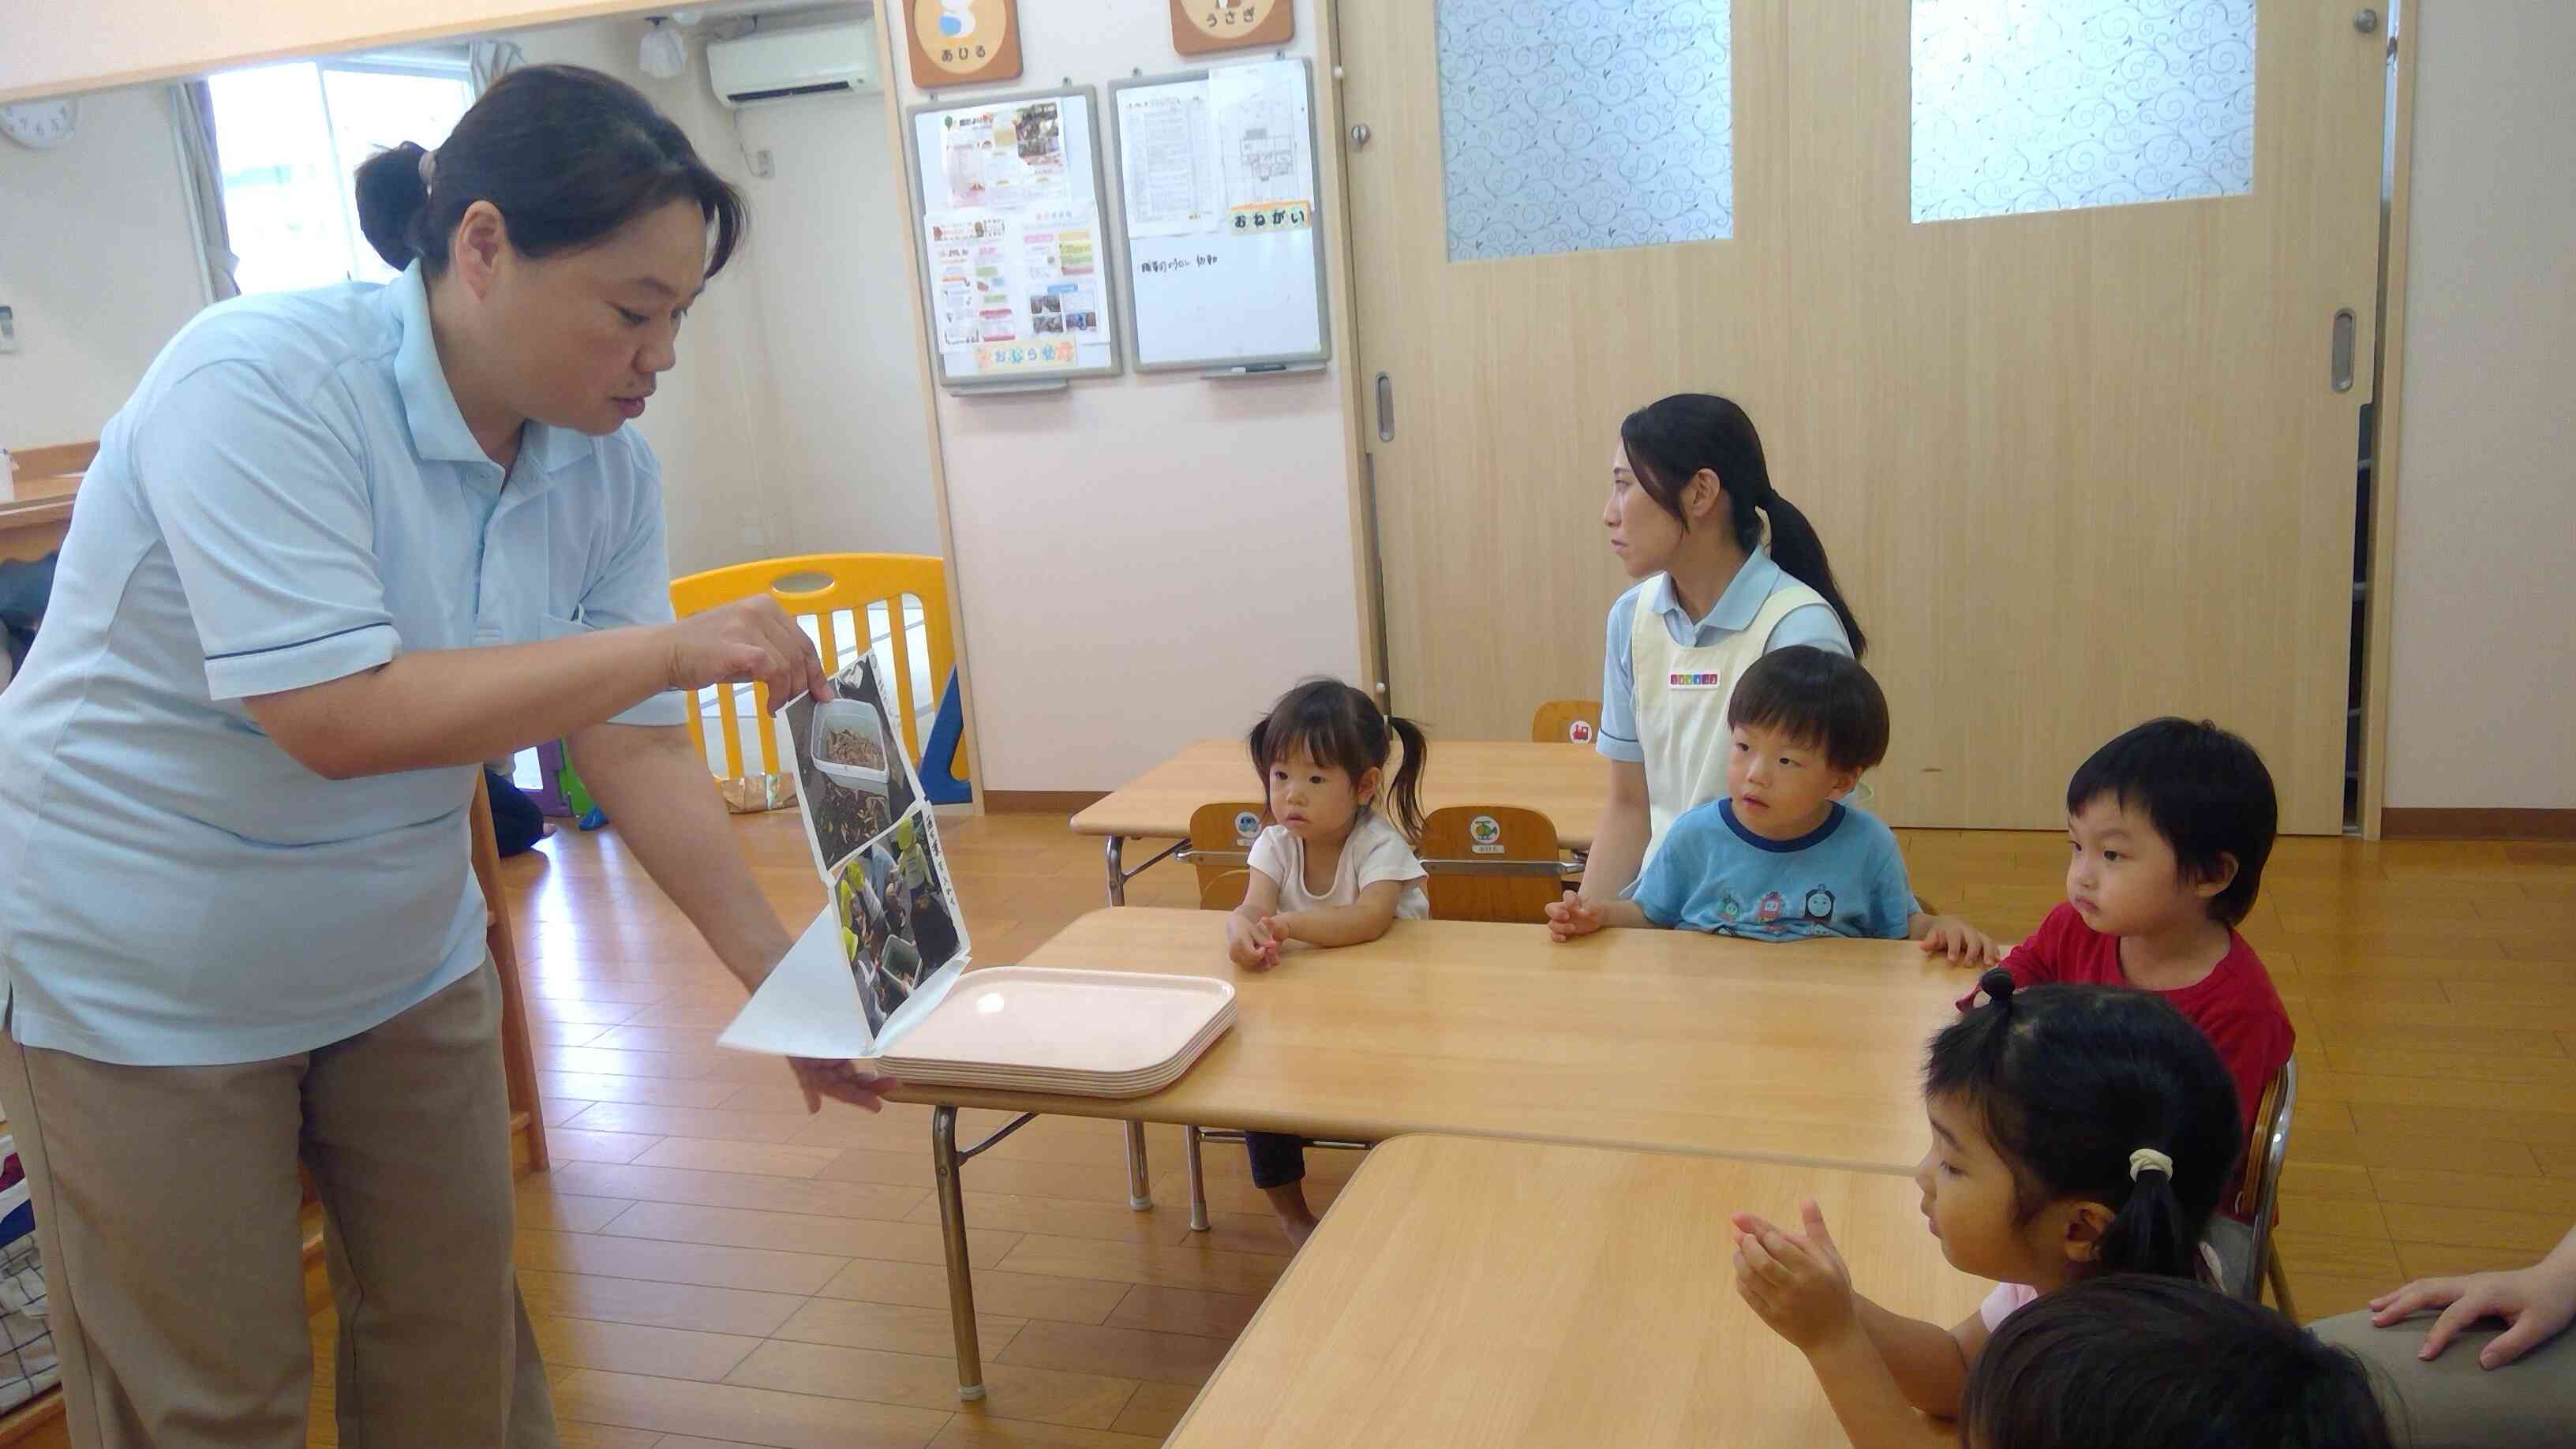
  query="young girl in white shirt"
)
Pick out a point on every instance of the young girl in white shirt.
point(1335, 870)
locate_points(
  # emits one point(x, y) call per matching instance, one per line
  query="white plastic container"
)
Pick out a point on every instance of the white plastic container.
point(859, 718)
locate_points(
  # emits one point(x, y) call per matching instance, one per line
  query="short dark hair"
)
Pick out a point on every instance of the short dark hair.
point(2205, 791)
point(2127, 1361)
point(1818, 696)
point(2070, 1081)
point(568, 155)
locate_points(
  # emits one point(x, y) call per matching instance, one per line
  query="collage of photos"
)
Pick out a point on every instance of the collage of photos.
point(875, 843)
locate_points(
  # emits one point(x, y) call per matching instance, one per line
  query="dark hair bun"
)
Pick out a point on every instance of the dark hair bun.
point(391, 199)
point(1998, 985)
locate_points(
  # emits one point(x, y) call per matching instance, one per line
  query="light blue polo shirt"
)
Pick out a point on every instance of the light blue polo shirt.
point(1733, 613)
point(290, 497)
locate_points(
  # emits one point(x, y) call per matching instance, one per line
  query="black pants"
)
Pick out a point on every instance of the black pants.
point(517, 823)
point(1277, 1161)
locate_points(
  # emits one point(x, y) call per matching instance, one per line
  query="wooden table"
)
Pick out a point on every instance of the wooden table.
point(1809, 1054)
point(1569, 783)
point(1475, 1292)
point(34, 524)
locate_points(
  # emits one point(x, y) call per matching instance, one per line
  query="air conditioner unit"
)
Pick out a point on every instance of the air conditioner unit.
point(776, 65)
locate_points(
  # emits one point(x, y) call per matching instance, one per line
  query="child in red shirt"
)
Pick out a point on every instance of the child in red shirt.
point(2170, 825)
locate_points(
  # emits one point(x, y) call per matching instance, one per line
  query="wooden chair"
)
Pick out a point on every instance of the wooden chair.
point(813, 588)
point(2258, 1194)
point(1491, 863)
point(1221, 849)
point(1566, 721)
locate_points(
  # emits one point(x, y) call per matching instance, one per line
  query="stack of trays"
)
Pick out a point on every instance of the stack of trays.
point(1063, 1032)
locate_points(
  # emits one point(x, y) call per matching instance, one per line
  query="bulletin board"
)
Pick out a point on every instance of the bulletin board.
point(1219, 220)
point(1014, 250)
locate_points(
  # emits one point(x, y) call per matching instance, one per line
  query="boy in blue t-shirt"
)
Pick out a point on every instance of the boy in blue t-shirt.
point(1781, 858)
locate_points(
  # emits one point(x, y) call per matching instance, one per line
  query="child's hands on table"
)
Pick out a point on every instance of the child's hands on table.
point(1252, 944)
point(1571, 917)
point(1964, 944)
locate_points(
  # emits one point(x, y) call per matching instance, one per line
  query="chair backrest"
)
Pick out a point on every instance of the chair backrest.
point(2259, 1190)
point(1566, 721)
point(1227, 890)
point(1221, 836)
point(1490, 863)
point(872, 589)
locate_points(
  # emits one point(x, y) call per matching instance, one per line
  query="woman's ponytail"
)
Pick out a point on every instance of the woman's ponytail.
point(393, 196)
point(1801, 555)
point(1405, 795)
point(2150, 1232)
point(1669, 442)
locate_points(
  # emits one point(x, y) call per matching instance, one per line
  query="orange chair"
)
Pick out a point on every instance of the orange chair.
point(1221, 836)
point(879, 592)
point(1491, 863)
point(1566, 721)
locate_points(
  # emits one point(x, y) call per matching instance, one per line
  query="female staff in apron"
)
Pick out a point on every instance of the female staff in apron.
point(1689, 495)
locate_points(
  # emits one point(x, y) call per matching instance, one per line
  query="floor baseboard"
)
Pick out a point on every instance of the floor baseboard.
point(2441, 824)
point(1042, 802)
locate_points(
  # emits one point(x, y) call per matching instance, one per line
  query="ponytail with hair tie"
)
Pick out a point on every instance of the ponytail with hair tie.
point(1671, 441)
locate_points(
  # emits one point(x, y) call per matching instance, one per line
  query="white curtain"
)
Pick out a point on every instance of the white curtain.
point(493, 59)
point(192, 118)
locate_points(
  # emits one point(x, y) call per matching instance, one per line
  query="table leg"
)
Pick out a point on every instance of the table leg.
point(1140, 1180)
point(944, 1163)
point(1190, 1147)
point(1117, 851)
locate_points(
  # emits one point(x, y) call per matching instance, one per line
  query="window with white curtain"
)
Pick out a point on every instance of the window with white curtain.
point(291, 138)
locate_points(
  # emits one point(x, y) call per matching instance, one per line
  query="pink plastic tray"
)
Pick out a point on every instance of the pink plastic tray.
point(1060, 1030)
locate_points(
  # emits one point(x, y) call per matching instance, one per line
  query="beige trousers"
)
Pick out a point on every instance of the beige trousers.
point(166, 1202)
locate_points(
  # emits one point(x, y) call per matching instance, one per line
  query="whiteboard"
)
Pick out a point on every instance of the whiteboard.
point(1014, 255)
point(1219, 220)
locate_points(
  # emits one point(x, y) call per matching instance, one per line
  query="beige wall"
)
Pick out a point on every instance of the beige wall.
point(98, 264)
point(2482, 689)
point(1143, 561)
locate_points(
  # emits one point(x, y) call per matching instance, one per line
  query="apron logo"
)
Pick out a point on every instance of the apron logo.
point(1696, 679)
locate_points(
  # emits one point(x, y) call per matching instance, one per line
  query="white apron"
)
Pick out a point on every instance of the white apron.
point(1681, 697)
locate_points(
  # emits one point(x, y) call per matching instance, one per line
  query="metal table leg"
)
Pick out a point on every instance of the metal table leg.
point(945, 1160)
point(1117, 851)
point(1140, 1180)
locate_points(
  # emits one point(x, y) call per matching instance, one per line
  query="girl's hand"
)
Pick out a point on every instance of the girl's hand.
point(2536, 1304)
point(1795, 1282)
point(1964, 944)
point(1252, 945)
point(1574, 916)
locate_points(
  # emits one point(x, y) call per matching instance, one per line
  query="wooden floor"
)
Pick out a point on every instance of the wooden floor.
point(709, 1266)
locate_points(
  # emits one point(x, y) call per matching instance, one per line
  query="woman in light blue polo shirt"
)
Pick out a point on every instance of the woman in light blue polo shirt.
point(1689, 497)
point(340, 547)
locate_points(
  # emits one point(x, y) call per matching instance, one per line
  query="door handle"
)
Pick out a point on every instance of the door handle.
point(2339, 362)
point(1385, 408)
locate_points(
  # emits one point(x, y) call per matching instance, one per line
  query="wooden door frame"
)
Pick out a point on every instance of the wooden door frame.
point(1368, 602)
point(2384, 464)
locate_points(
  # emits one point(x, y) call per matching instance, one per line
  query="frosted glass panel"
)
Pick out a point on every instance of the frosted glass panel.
point(2047, 105)
point(1575, 125)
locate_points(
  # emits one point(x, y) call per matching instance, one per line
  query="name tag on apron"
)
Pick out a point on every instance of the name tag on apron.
point(1695, 679)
